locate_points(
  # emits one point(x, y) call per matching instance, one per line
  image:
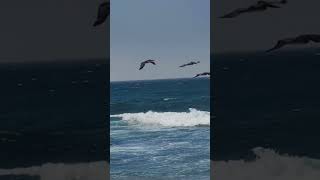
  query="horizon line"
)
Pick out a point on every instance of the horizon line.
point(158, 79)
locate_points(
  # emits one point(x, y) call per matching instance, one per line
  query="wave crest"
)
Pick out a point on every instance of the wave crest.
point(268, 165)
point(169, 119)
point(167, 99)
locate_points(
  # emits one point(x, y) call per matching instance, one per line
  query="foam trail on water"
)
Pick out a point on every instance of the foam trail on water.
point(169, 119)
point(61, 171)
point(268, 165)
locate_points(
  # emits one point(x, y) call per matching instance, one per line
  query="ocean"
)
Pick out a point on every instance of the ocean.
point(160, 129)
point(266, 111)
point(54, 120)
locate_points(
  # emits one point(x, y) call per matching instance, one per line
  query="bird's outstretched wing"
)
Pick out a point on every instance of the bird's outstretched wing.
point(202, 74)
point(184, 65)
point(272, 6)
point(103, 13)
point(279, 45)
point(235, 13)
point(278, 2)
point(142, 65)
point(197, 75)
point(152, 62)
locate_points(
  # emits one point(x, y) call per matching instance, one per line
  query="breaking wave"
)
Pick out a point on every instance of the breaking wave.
point(167, 99)
point(268, 165)
point(61, 171)
point(169, 119)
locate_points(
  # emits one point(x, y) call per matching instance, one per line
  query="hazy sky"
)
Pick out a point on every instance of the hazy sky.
point(260, 31)
point(41, 30)
point(170, 31)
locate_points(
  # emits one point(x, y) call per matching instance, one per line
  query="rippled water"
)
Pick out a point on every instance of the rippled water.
point(160, 129)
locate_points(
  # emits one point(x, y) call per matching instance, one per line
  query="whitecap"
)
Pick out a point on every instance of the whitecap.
point(167, 99)
point(169, 119)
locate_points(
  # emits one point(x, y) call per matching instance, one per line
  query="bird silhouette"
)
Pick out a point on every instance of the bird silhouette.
point(190, 63)
point(259, 6)
point(202, 74)
point(146, 62)
point(302, 39)
point(103, 13)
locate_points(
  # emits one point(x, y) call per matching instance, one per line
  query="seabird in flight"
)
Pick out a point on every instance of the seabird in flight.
point(302, 39)
point(190, 63)
point(202, 74)
point(145, 62)
point(259, 6)
point(103, 13)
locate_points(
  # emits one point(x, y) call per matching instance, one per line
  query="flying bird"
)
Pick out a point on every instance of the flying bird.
point(190, 63)
point(146, 62)
point(103, 13)
point(259, 6)
point(202, 74)
point(302, 39)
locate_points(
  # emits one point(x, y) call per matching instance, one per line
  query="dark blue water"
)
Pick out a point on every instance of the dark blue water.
point(160, 129)
point(53, 116)
point(266, 112)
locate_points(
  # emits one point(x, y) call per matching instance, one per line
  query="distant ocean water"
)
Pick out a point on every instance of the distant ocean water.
point(53, 120)
point(160, 129)
point(266, 111)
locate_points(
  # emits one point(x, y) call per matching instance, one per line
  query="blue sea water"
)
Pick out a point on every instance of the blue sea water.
point(160, 129)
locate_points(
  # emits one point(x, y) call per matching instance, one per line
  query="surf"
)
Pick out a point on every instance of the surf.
point(167, 119)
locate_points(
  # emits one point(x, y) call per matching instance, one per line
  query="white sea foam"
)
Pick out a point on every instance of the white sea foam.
point(269, 165)
point(167, 99)
point(61, 171)
point(169, 119)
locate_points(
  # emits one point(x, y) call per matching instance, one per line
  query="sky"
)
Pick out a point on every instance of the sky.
point(260, 31)
point(172, 32)
point(55, 30)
